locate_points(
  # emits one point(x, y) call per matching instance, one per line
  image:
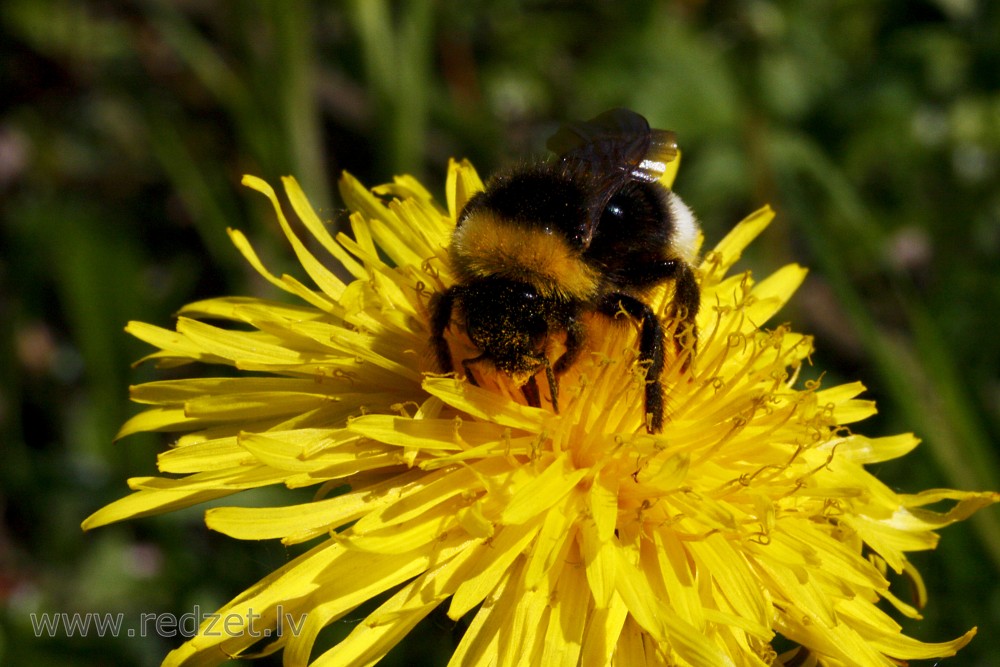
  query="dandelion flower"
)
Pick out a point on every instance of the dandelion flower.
point(571, 538)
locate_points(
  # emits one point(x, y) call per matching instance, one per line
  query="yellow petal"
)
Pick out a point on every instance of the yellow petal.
point(509, 543)
point(728, 251)
point(600, 561)
point(296, 523)
point(461, 184)
point(544, 490)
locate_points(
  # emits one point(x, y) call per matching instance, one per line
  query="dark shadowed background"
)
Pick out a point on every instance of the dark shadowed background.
point(873, 129)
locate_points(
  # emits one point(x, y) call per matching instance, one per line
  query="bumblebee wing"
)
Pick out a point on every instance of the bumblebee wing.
point(610, 150)
point(618, 141)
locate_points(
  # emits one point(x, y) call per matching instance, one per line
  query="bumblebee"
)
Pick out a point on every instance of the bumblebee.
point(591, 231)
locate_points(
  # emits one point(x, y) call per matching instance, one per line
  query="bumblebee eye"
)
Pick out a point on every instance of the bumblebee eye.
point(636, 204)
point(615, 209)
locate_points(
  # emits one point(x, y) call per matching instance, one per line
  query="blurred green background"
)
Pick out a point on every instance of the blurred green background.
point(872, 127)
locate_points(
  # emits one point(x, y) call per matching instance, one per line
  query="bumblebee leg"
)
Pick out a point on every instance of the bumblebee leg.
point(531, 393)
point(467, 364)
point(650, 349)
point(574, 345)
point(652, 273)
point(441, 306)
point(687, 299)
point(553, 384)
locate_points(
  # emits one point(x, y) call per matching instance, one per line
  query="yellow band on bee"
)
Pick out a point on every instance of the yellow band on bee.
point(486, 245)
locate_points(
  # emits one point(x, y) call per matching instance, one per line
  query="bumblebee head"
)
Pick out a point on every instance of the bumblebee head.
point(508, 321)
